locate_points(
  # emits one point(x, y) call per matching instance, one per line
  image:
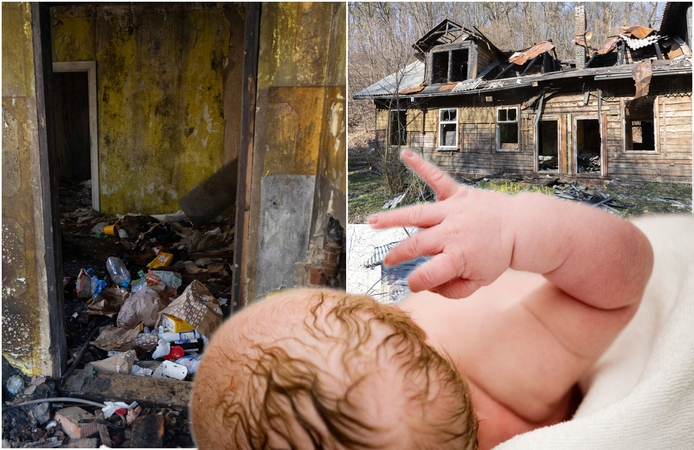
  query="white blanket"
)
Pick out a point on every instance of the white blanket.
point(640, 394)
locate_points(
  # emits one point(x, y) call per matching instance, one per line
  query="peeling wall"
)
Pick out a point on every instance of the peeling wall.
point(300, 137)
point(25, 325)
point(160, 90)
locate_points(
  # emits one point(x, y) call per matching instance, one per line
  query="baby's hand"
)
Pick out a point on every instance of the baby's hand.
point(464, 232)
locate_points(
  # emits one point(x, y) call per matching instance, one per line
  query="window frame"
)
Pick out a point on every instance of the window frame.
point(497, 122)
point(655, 150)
point(441, 146)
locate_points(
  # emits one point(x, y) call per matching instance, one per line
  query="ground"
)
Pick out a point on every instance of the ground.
point(367, 191)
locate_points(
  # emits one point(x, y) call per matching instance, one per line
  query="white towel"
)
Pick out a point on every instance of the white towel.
point(640, 394)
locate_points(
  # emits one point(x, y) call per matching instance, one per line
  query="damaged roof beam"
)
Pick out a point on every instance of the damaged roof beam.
point(503, 72)
point(657, 50)
point(531, 64)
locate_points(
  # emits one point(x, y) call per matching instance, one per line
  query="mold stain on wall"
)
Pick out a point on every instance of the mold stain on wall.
point(160, 99)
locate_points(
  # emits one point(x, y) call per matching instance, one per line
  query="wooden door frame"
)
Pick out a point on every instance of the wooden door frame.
point(90, 68)
point(574, 143)
point(239, 286)
point(560, 156)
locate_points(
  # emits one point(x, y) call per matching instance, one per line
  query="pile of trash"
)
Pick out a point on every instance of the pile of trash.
point(142, 296)
point(165, 290)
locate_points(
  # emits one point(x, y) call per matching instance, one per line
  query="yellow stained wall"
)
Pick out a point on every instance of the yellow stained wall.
point(25, 321)
point(299, 69)
point(160, 99)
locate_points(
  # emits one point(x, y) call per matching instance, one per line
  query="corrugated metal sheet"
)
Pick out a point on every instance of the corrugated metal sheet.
point(637, 31)
point(379, 253)
point(520, 58)
point(635, 44)
point(410, 77)
point(643, 73)
point(468, 85)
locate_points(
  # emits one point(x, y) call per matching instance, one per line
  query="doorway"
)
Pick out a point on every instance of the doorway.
point(76, 138)
point(587, 145)
point(547, 146)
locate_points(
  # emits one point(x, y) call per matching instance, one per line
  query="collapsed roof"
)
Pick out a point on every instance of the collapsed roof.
point(511, 69)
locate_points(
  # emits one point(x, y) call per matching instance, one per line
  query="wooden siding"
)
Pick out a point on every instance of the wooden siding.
point(672, 160)
point(477, 154)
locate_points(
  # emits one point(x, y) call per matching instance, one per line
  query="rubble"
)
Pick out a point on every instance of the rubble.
point(593, 197)
point(131, 270)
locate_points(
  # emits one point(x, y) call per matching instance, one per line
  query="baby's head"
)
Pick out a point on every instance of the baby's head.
point(325, 369)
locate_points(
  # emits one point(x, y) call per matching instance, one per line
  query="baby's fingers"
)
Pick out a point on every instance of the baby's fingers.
point(437, 271)
point(424, 243)
point(440, 182)
point(421, 216)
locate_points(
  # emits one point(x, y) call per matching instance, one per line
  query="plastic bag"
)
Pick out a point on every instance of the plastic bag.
point(83, 285)
point(163, 349)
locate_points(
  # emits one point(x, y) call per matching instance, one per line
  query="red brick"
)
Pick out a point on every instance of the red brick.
point(76, 422)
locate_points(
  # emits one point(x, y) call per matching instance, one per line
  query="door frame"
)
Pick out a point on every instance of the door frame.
point(560, 154)
point(574, 145)
point(90, 68)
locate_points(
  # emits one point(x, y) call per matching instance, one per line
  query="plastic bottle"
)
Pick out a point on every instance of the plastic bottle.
point(118, 272)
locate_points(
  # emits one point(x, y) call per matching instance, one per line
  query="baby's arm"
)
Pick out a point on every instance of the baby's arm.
point(597, 266)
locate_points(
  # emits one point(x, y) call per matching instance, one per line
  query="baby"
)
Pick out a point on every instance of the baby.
point(547, 286)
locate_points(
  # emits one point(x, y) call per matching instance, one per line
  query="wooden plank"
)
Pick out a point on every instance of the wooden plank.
point(148, 392)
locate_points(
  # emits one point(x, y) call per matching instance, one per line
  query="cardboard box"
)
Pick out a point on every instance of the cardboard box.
point(175, 324)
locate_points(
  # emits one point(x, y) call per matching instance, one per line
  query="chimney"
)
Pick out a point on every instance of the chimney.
point(580, 34)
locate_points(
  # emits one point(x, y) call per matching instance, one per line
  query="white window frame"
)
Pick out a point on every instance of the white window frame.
point(442, 146)
point(498, 128)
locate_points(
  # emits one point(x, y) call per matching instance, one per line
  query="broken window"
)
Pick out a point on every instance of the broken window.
point(450, 66)
point(639, 125)
point(507, 128)
point(398, 127)
point(448, 128)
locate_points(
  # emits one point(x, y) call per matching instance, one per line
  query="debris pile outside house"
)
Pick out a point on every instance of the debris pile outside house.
point(142, 295)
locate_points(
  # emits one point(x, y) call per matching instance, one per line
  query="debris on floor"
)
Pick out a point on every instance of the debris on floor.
point(593, 197)
point(142, 295)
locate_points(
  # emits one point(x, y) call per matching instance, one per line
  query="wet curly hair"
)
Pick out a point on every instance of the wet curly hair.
point(324, 381)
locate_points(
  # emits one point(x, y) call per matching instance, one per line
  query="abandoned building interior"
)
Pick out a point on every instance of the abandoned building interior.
point(623, 110)
point(202, 143)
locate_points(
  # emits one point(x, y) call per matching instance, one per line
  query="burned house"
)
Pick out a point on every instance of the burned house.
point(621, 111)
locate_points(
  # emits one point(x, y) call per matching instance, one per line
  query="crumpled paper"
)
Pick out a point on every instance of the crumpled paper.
point(143, 307)
point(108, 302)
point(197, 306)
point(112, 337)
point(116, 364)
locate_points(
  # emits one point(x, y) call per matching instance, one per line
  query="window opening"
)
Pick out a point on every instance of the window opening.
point(548, 146)
point(398, 127)
point(588, 146)
point(507, 128)
point(448, 128)
point(439, 69)
point(450, 66)
point(640, 125)
point(458, 65)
